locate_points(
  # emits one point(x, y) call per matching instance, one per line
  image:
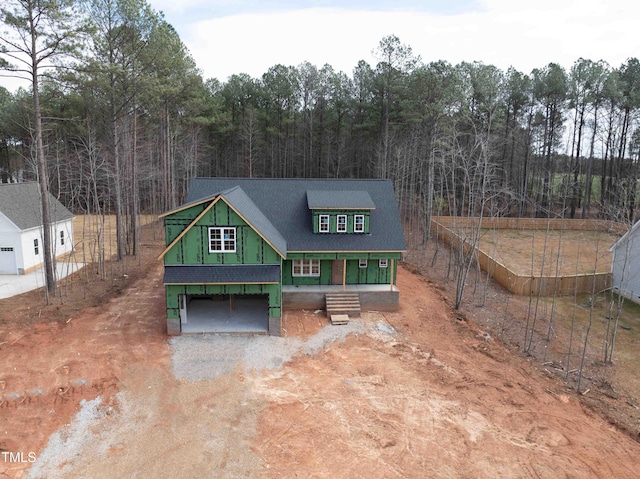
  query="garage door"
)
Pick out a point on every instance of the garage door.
point(7, 260)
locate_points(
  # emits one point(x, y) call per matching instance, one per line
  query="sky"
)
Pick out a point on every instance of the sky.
point(227, 37)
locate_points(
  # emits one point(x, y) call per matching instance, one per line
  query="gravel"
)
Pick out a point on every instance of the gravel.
point(201, 357)
point(194, 358)
point(65, 445)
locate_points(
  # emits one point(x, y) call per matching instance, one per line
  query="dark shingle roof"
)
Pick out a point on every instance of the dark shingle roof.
point(247, 208)
point(322, 199)
point(283, 202)
point(222, 273)
point(20, 202)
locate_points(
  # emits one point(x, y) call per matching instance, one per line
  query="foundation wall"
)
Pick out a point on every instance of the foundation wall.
point(369, 300)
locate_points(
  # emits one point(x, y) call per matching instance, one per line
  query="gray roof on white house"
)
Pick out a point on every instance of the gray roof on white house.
point(328, 199)
point(284, 205)
point(20, 202)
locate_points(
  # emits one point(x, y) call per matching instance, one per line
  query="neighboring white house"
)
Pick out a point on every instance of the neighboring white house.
point(625, 267)
point(21, 229)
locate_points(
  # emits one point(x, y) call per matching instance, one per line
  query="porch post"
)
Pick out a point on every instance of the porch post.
point(344, 275)
point(391, 275)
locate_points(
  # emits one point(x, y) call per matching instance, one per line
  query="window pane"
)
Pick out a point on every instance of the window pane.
point(222, 240)
point(324, 223)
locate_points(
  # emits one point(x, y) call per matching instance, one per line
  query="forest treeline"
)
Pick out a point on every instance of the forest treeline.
point(127, 119)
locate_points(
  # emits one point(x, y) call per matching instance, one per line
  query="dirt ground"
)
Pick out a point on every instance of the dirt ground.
point(439, 397)
point(555, 253)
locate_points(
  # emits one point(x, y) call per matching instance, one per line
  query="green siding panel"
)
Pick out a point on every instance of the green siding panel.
point(350, 255)
point(193, 247)
point(289, 279)
point(320, 256)
point(372, 274)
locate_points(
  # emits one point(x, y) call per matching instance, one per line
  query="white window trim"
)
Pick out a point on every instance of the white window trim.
point(363, 263)
point(341, 227)
point(383, 263)
point(323, 227)
point(358, 227)
point(223, 246)
point(307, 268)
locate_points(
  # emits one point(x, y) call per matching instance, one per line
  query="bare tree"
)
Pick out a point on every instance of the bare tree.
point(38, 32)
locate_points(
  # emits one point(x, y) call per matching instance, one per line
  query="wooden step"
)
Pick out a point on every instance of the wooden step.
point(342, 304)
point(339, 319)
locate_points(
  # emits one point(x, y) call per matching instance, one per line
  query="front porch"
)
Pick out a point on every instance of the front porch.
point(373, 297)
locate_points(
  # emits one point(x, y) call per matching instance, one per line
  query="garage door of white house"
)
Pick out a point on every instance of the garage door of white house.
point(7, 260)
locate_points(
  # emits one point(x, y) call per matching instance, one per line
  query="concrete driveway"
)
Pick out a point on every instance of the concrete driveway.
point(12, 285)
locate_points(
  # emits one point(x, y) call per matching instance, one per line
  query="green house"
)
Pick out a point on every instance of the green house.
point(240, 250)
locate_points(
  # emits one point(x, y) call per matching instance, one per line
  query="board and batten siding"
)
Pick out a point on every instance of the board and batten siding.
point(372, 274)
point(193, 249)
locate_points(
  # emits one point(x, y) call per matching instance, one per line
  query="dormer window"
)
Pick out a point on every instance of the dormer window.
point(340, 211)
point(222, 240)
point(342, 224)
point(324, 223)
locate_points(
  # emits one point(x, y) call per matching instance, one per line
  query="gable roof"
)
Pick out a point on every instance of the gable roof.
point(20, 203)
point(245, 208)
point(283, 204)
point(348, 200)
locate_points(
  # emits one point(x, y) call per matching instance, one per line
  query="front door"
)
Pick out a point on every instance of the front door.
point(337, 271)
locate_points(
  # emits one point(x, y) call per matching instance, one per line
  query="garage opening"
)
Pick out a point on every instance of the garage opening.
point(225, 313)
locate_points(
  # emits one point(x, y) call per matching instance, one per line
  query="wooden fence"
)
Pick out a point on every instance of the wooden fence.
point(443, 227)
point(530, 224)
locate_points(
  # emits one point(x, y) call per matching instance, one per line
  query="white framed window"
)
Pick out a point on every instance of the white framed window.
point(383, 263)
point(222, 240)
point(323, 224)
point(358, 223)
point(61, 237)
point(362, 263)
point(305, 267)
point(341, 226)
point(36, 247)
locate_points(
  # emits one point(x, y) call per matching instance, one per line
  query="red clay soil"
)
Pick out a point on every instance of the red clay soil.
point(439, 398)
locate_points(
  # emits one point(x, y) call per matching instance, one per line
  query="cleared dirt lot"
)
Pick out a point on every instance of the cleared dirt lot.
point(417, 393)
point(549, 253)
